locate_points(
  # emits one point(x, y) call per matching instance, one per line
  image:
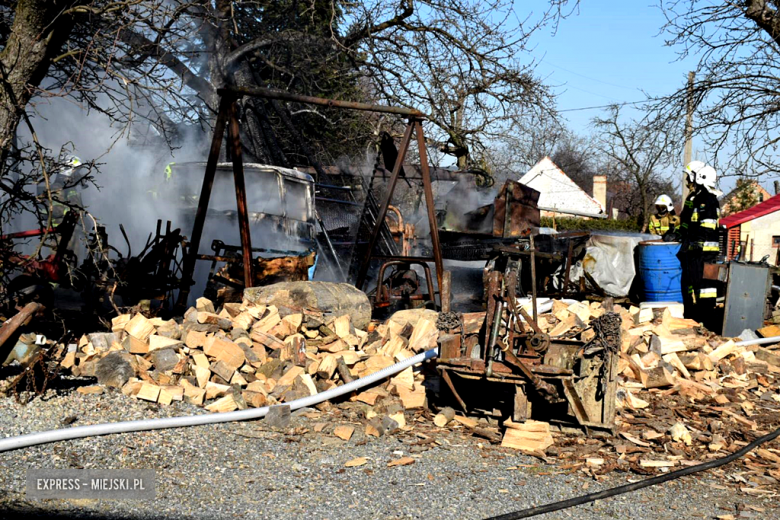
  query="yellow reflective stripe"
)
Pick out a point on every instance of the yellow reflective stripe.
point(709, 223)
point(710, 246)
point(709, 292)
point(695, 216)
point(688, 203)
point(684, 225)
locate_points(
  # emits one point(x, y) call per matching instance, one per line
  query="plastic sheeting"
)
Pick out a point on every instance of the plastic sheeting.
point(609, 259)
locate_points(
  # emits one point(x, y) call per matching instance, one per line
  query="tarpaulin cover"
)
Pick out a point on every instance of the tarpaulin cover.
point(609, 259)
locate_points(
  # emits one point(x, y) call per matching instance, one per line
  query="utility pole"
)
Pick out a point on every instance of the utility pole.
point(688, 135)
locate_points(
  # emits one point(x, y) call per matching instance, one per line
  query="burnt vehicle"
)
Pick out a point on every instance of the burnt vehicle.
point(282, 223)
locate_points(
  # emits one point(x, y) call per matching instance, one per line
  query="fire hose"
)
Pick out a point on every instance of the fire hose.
point(33, 439)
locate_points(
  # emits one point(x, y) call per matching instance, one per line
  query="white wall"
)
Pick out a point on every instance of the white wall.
point(760, 231)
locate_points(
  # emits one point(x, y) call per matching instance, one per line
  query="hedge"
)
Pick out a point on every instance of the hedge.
point(581, 224)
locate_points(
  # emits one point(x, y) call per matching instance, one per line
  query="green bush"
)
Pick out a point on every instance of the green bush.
point(581, 224)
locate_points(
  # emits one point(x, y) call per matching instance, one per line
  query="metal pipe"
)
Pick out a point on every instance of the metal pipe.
point(238, 179)
point(533, 278)
point(287, 96)
point(575, 213)
point(491, 346)
point(428, 191)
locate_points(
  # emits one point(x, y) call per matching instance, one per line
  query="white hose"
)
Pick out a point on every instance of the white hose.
point(32, 439)
point(759, 341)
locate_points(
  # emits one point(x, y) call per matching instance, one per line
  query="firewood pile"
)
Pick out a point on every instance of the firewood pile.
point(685, 396)
point(249, 355)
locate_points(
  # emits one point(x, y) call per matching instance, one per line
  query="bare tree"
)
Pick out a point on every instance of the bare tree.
point(460, 62)
point(737, 83)
point(635, 154)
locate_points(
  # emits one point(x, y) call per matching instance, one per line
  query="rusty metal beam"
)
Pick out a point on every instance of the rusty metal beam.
point(428, 191)
point(287, 96)
point(12, 325)
point(188, 268)
point(380, 218)
point(238, 178)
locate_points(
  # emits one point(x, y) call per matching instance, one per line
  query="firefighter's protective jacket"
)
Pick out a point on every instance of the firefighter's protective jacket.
point(702, 233)
point(660, 225)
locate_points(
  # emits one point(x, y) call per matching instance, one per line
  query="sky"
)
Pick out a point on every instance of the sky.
point(610, 52)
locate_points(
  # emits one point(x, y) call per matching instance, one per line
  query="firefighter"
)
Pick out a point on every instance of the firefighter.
point(699, 231)
point(65, 186)
point(665, 221)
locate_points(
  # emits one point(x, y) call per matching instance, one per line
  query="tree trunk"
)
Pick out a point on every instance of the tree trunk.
point(38, 33)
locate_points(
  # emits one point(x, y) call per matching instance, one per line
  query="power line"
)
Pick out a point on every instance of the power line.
point(588, 77)
point(624, 103)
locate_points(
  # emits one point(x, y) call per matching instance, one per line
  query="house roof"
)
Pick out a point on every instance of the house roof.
point(770, 205)
point(558, 192)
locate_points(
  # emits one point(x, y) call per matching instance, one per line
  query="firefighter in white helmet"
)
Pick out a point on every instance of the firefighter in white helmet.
point(665, 221)
point(699, 231)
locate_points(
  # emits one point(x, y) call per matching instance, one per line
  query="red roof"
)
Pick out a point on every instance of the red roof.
point(770, 205)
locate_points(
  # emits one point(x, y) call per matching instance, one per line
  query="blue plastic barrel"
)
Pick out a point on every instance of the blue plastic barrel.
point(660, 271)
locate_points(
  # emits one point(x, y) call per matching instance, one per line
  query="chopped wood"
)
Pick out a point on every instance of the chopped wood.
point(139, 327)
point(424, 335)
point(399, 418)
point(149, 392)
point(214, 390)
point(529, 437)
point(446, 415)
point(195, 339)
point(254, 399)
point(290, 376)
point(356, 462)
point(265, 339)
point(224, 404)
point(403, 461)
point(327, 367)
point(160, 342)
point(767, 356)
point(93, 389)
point(204, 305)
point(343, 432)
point(722, 351)
point(226, 351)
point(309, 383)
point(656, 378)
point(118, 323)
point(642, 316)
point(412, 398)
point(769, 331)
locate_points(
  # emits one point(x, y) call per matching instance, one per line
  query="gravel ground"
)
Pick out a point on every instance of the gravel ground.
point(246, 470)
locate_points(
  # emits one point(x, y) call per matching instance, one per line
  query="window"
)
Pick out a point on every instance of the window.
point(776, 241)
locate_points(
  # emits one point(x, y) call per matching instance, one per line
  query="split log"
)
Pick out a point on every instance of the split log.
point(656, 378)
point(446, 415)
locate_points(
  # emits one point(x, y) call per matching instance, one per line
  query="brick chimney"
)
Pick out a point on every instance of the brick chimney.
point(600, 190)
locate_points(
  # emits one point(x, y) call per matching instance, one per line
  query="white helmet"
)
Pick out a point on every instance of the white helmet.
point(707, 176)
point(665, 200)
point(692, 168)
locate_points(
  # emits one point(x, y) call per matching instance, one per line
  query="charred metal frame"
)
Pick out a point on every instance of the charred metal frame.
point(227, 116)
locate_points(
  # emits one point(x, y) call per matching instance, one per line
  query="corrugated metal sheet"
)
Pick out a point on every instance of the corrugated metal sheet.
point(558, 191)
point(759, 210)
